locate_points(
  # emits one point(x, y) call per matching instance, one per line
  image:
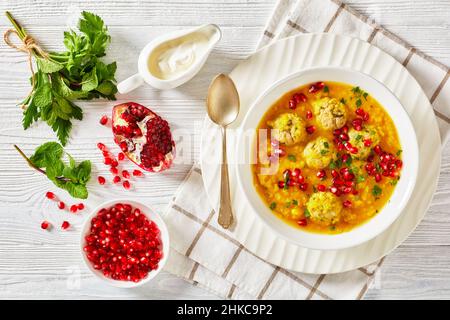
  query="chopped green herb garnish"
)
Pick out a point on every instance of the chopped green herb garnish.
point(314, 189)
point(360, 179)
point(358, 137)
point(376, 191)
point(272, 206)
point(348, 161)
point(378, 167)
point(399, 152)
point(326, 89)
point(326, 144)
point(332, 228)
point(323, 152)
point(306, 213)
point(358, 102)
point(365, 94)
point(356, 89)
point(292, 158)
point(295, 202)
point(342, 101)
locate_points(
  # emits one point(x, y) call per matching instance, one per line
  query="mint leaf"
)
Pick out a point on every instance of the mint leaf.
point(48, 66)
point(90, 81)
point(49, 150)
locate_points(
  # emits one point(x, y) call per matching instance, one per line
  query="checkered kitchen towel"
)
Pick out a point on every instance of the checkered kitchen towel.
point(210, 257)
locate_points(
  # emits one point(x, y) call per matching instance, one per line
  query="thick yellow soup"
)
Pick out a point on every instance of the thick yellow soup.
point(331, 160)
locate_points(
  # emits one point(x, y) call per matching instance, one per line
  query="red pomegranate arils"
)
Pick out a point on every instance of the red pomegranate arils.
point(50, 195)
point(61, 205)
point(114, 163)
point(125, 174)
point(126, 184)
point(120, 156)
point(309, 114)
point(45, 225)
point(347, 203)
point(107, 161)
point(101, 180)
point(73, 208)
point(321, 187)
point(80, 206)
point(65, 225)
point(281, 184)
point(123, 244)
point(116, 179)
point(103, 120)
point(302, 222)
point(292, 104)
point(114, 170)
point(101, 146)
point(310, 129)
point(137, 173)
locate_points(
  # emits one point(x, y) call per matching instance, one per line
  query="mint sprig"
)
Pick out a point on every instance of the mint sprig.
point(47, 159)
point(63, 77)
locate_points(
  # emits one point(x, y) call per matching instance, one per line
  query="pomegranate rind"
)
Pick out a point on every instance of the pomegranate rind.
point(117, 112)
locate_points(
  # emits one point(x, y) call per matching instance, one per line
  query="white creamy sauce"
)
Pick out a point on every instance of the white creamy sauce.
point(174, 57)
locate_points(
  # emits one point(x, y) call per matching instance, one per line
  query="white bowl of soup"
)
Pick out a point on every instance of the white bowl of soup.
point(328, 158)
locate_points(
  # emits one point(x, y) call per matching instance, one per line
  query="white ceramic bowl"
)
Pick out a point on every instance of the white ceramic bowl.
point(390, 212)
point(151, 215)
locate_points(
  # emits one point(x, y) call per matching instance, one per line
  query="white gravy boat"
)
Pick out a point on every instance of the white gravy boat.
point(173, 59)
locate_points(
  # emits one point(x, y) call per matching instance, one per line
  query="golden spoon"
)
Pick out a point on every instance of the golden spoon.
point(222, 104)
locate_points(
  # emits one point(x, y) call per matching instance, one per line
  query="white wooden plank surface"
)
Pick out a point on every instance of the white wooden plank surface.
point(36, 264)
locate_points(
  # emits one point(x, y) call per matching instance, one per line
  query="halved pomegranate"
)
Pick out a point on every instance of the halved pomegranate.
point(143, 136)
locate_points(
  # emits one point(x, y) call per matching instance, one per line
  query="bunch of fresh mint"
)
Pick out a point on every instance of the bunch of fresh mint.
point(63, 77)
point(73, 178)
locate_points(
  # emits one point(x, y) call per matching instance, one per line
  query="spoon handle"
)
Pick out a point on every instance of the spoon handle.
point(225, 213)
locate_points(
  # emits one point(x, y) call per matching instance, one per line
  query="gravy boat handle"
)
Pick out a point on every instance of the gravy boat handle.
point(130, 83)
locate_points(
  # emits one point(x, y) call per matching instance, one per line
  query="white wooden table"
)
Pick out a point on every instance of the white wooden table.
point(39, 264)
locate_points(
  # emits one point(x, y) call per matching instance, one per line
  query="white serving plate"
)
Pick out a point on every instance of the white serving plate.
point(246, 145)
point(274, 62)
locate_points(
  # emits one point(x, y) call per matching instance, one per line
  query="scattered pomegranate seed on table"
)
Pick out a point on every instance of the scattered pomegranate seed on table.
point(114, 163)
point(45, 225)
point(101, 180)
point(73, 208)
point(125, 174)
point(104, 120)
point(107, 161)
point(137, 173)
point(120, 156)
point(126, 184)
point(50, 195)
point(116, 179)
point(101, 146)
point(114, 170)
point(65, 225)
point(61, 205)
point(80, 206)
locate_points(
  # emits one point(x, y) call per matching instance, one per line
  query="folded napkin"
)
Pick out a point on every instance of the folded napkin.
point(209, 256)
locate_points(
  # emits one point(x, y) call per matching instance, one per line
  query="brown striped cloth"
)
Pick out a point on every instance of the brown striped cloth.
point(209, 256)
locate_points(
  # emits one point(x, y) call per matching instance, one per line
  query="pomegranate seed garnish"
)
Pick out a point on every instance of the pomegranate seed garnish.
point(296, 173)
point(114, 170)
point(281, 184)
point(125, 174)
point(303, 186)
point(116, 179)
point(367, 142)
point(104, 120)
point(114, 163)
point(316, 87)
point(321, 188)
point(321, 174)
point(354, 150)
point(347, 203)
point(101, 180)
point(309, 114)
point(65, 225)
point(345, 157)
point(357, 124)
point(101, 146)
point(377, 149)
point(80, 206)
point(345, 129)
point(126, 184)
point(120, 156)
point(344, 137)
point(377, 177)
point(107, 161)
point(73, 208)
point(137, 173)
point(45, 225)
point(334, 173)
point(292, 104)
point(61, 205)
point(302, 222)
point(366, 117)
point(337, 132)
point(310, 129)
point(299, 97)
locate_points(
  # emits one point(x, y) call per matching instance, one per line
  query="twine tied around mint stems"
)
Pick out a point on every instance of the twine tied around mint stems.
point(29, 46)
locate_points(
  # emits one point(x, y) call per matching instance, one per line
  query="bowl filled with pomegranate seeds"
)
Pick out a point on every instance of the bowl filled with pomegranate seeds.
point(335, 158)
point(125, 243)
